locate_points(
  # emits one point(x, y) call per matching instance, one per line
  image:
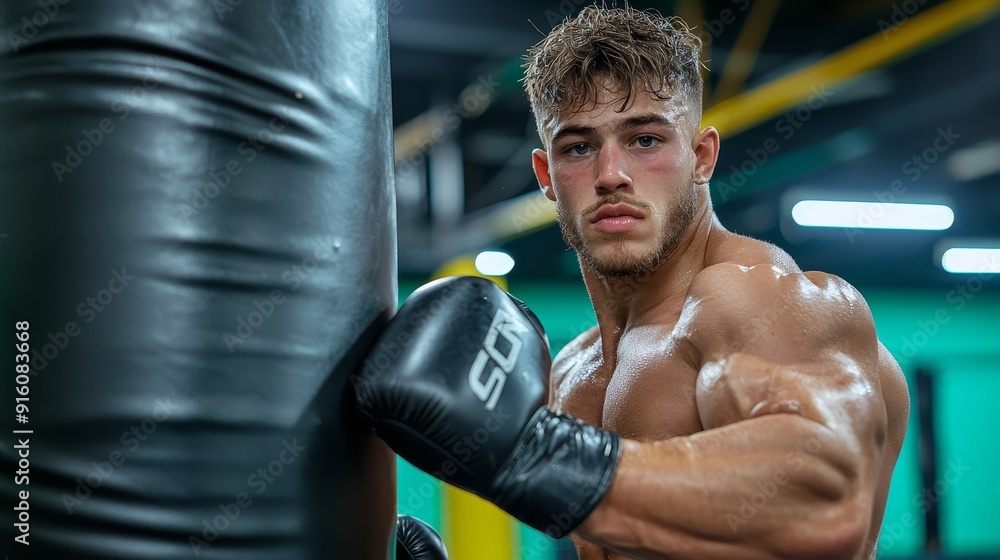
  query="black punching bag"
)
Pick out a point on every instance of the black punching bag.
point(197, 236)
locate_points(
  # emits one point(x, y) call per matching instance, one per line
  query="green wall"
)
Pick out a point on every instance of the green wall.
point(958, 339)
point(953, 332)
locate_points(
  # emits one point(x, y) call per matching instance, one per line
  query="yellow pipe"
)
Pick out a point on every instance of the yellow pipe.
point(522, 215)
point(410, 139)
point(465, 265)
point(755, 106)
point(474, 529)
point(736, 114)
point(477, 529)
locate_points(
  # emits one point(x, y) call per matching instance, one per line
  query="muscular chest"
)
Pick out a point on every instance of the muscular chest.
point(646, 391)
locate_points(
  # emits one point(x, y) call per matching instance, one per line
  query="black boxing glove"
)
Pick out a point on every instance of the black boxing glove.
point(457, 386)
point(416, 540)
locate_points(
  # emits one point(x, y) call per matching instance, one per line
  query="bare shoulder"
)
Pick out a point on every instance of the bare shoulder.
point(775, 283)
point(583, 340)
point(771, 338)
point(781, 312)
point(577, 349)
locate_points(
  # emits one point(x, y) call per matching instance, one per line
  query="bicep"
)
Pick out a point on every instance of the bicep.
point(743, 385)
point(835, 395)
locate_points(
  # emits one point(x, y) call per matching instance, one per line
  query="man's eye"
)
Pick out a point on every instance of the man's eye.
point(646, 141)
point(578, 149)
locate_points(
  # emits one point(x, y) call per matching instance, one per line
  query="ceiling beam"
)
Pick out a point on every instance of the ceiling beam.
point(769, 100)
point(889, 45)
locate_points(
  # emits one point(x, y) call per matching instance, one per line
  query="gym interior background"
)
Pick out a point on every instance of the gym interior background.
point(884, 103)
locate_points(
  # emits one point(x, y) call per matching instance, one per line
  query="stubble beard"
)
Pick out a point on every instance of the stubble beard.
point(622, 263)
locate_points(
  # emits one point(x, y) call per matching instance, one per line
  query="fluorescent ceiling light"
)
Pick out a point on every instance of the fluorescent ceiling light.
point(971, 260)
point(494, 263)
point(872, 215)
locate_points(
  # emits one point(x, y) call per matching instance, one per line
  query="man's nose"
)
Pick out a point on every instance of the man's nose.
point(612, 170)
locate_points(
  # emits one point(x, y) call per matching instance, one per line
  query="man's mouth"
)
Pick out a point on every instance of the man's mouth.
point(616, 218)
point(610, 211)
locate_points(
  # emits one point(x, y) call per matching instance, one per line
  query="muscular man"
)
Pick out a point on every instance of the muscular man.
point(714, 355)
point(727, 405)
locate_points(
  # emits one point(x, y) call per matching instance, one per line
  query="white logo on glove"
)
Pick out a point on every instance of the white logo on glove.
point(503, 325)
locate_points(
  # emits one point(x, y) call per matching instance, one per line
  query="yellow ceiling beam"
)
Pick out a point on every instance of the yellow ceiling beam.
point(889, 45)
point(893, 42)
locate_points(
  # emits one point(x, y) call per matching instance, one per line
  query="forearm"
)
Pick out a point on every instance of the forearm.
point(776, 486)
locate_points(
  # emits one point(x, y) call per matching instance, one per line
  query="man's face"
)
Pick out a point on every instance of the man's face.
point(624, 182)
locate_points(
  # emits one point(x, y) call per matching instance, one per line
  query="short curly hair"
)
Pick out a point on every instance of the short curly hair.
point(631, 48)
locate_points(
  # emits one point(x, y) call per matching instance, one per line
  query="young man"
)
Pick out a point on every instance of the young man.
point(726, 406)
point(730, 373)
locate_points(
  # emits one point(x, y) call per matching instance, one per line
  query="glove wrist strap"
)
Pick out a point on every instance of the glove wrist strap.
point(560, 470)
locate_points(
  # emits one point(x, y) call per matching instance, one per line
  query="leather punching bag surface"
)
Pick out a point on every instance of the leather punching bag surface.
point(197, 234)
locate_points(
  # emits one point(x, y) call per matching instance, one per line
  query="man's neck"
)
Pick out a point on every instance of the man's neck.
point(622, 302)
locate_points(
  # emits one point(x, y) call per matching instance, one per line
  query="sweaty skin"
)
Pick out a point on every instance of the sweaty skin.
point(762, 417)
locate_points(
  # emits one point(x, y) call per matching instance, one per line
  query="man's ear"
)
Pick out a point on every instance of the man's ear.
point(540, 163)
point(706, 152)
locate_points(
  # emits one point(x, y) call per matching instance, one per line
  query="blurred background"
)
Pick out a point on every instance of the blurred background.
point(862, 136)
